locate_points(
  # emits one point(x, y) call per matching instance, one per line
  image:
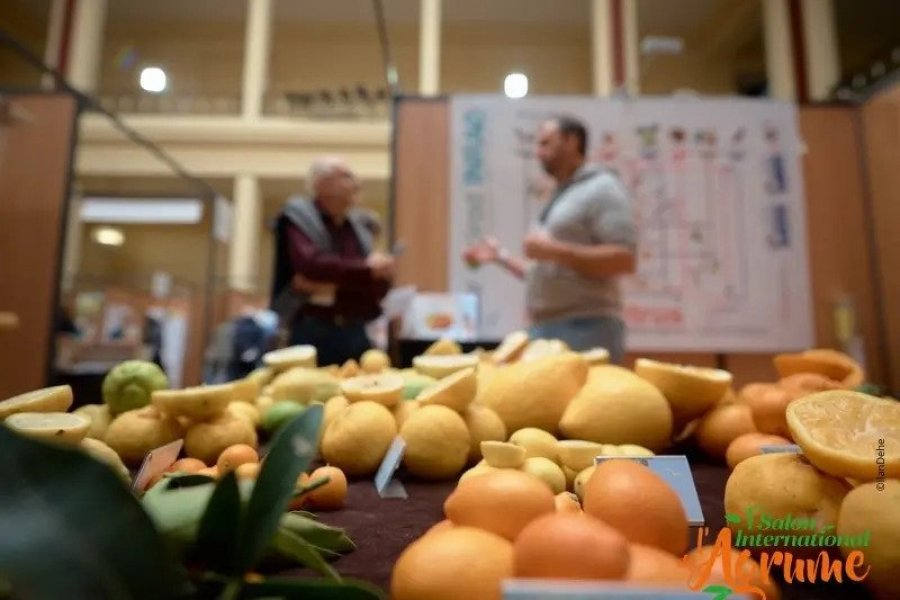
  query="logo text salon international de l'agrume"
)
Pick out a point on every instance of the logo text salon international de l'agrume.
point(757, 529)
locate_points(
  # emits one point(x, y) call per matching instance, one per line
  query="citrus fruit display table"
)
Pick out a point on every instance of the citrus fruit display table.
point(382, 528)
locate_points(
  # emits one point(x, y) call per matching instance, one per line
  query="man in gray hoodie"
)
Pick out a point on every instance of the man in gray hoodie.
point(582, 243)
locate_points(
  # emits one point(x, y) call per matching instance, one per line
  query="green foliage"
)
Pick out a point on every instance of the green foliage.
point(71, 530)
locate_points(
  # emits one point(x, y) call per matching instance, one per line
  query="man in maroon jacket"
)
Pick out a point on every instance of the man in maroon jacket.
point(325, 263)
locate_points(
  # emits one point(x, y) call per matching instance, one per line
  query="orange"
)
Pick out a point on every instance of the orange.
point(639, 503)
point(822, 361)
point(247, 471)
point(439, 526)
point(234, 456)
point(768, 411)
point(749, 571)
point(567, 502)
point(209, 472)
point(750, 392)
point(840, 433)
point(330, 496)
point(720, 426)
point(691, 391)
point(460, 563)
point(801, 384)
point(653, 567)
point(570, 546)
point(750, 444)
point(502, 502)
point(186, 465)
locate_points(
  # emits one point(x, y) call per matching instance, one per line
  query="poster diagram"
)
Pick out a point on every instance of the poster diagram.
point(717, 199)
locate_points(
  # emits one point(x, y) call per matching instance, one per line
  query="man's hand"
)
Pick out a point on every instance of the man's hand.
point(539, 245)
point(381, 265)
point(307, 286)
point(485, 251)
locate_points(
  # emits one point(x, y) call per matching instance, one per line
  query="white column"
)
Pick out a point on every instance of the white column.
point(601, 48)
point(779, 50)
point(632, 47)
point(86, 44)
point(823, 60)
point(258, 39)
point(430, 47)
point(243, 267)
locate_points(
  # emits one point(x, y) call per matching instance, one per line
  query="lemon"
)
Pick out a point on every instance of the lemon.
point(437, 442)
point(581, 480)
point(455, 391)
point(510, 348)
point(578, 455)
point(540, 348)
point(135, 433)
point(99, 416)
point(479, 469)
point(503, 455)
point(484, 425)
point(536, 442)
point(374, 361)
point(443, 347)
point(596, 356)
point(633, 450)
point(304, 385)
point(547, 471)
point(840, 433)
point(103, 453)
point(201, 402)
point(690, 391)
point(292, 356)
point(52, 399)
point(358, 437)
point(442, 365)
point(383, 388)
point(67, 428)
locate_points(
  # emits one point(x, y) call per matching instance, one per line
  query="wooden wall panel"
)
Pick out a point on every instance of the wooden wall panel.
point(881, 127)
point(421, 179)
point(35, 158)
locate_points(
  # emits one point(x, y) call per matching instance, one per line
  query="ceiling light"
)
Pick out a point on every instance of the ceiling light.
point(153, 79)
point(109, 236)
point(515, 85)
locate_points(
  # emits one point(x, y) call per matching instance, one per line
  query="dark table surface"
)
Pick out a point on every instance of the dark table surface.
point(383, 528)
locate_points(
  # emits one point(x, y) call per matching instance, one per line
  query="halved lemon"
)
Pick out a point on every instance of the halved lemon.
point(510, 348)
point(52, 399)
point(67, 428)
point(455, 391)
point(442, 365)
point(292, 356)
point(578, 455)
point(596, 356)
point(502, 455)
point(691, 391)
point(822, 361)
point(200, 402)
point(848, 434)
point(383, 388)
point(542, 348)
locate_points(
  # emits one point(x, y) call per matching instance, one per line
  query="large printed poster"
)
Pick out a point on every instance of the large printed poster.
point(717, 197)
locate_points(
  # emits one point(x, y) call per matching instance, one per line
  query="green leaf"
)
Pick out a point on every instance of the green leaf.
point(176, 481)
point(72, 530)
point(312, 589)
point(291, 452)
point(177, 513)
point(293, 546)
point(731, 518)
point(718, 592)
point(217, 534)
point(318, 534)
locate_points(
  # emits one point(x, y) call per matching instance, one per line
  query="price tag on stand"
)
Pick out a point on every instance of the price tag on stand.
point(385, 484)
point(156, 463)
point(676, 471)
point(536, 589)
point(776, 448)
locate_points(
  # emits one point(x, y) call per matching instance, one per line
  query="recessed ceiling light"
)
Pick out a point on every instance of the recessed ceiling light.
point(515, 85)
point(109, 236)
point(153, 79)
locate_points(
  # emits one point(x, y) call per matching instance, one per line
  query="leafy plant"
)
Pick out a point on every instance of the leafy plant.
point(193, 538)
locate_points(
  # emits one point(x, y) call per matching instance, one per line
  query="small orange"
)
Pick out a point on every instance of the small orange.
point(234, 456)
point(750, 444)
point(247, 471)
point(570, 546)
point(300, 501)
point(186, 465)
point(209, 472)
point(720, 426)
point(639, 503)
point(656, 568)
point(567, 502)
point(330, 496)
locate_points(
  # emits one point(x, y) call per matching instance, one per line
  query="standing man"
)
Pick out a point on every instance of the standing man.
point(583, 243)
point(328, 282)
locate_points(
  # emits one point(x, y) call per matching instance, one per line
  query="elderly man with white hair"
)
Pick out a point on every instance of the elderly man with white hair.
point(328, 281)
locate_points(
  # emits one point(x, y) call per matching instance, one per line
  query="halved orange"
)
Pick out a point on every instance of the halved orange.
point(848, 434)
point(822, 361)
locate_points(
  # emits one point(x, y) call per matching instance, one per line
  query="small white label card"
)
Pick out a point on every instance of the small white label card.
point(542, 589)
point(385, 484)
point(676, 471)
point(776, 448)
point(156, 463)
